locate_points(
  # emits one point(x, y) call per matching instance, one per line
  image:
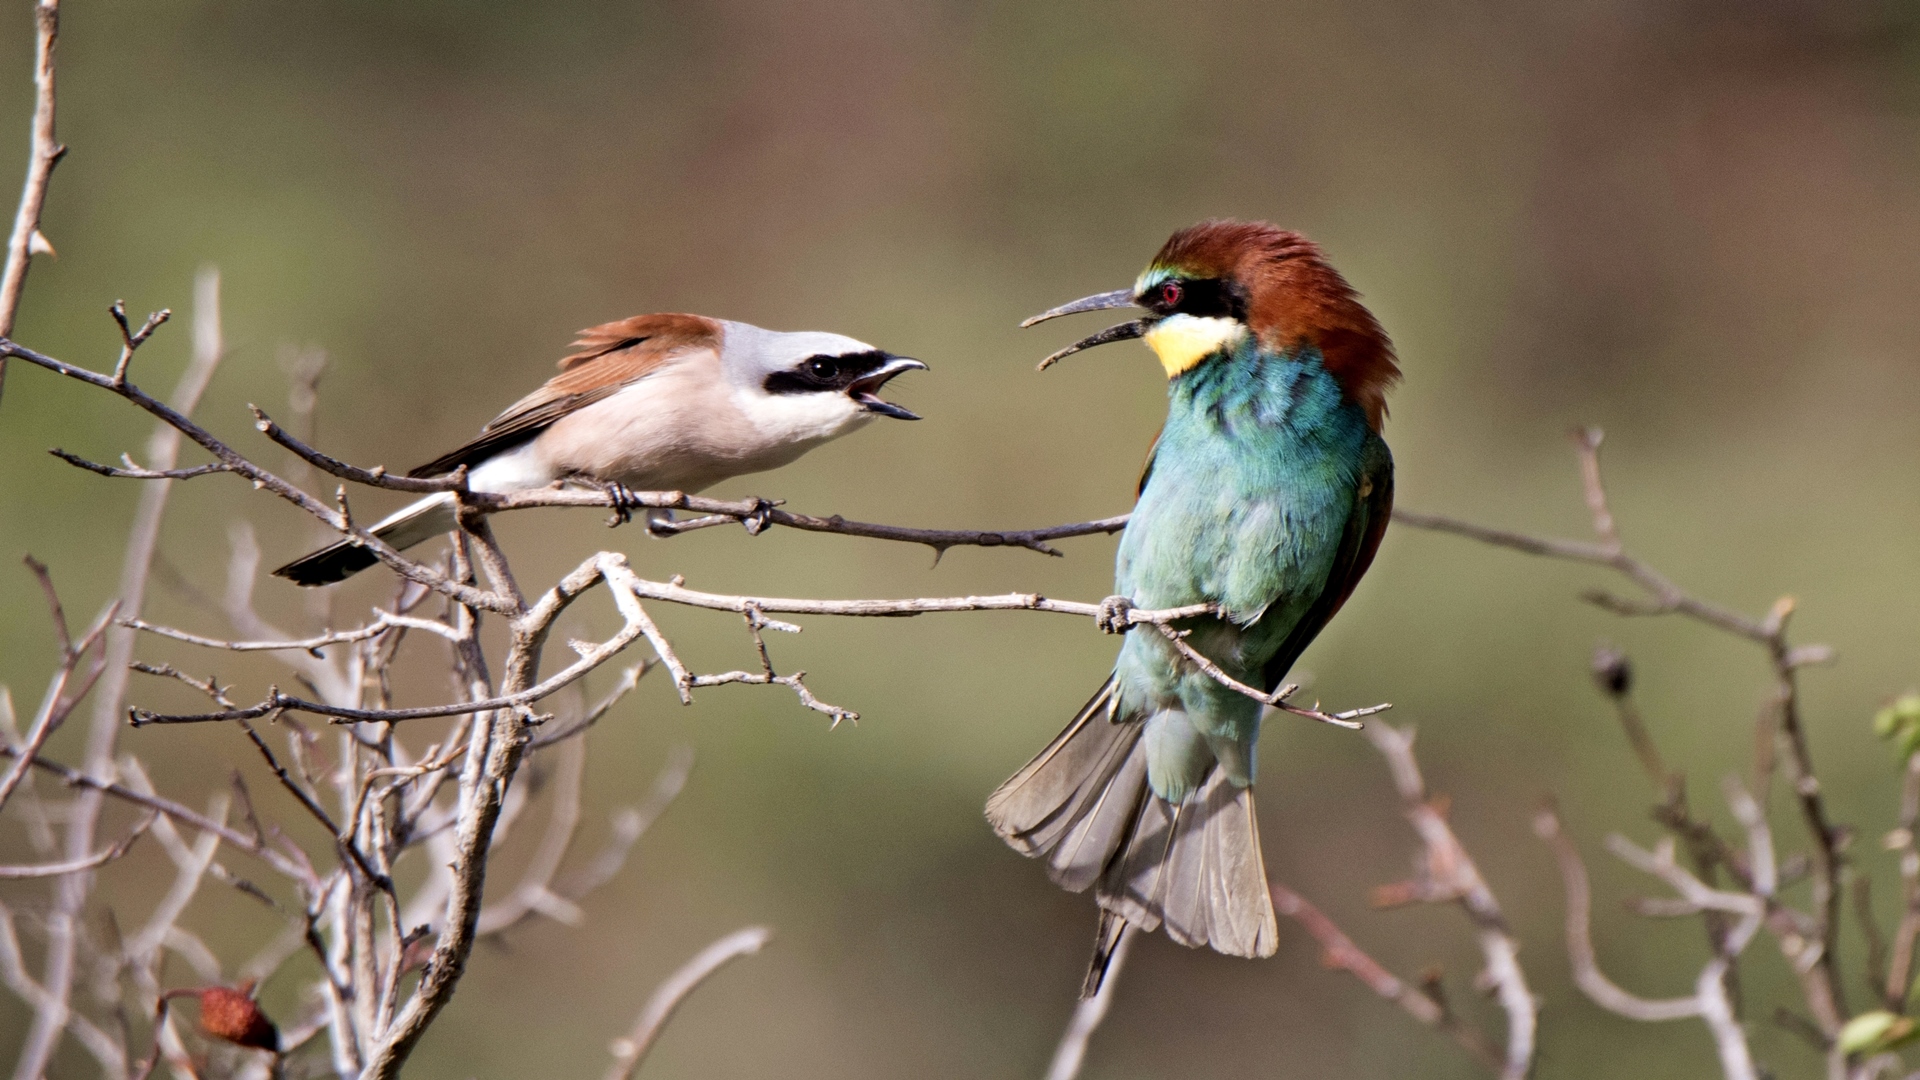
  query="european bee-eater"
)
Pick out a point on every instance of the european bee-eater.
point(1266, 496)
point(651, 403)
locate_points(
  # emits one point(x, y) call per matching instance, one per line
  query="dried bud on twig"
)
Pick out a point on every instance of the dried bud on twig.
point(1612, 672)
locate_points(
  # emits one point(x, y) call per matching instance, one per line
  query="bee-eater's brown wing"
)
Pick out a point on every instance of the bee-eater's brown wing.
point(1358, 544)
point(611, 356)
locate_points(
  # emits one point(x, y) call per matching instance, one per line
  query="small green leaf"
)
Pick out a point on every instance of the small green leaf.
point(1899, 722)
point(1872, 1032)
point(1864, 1032)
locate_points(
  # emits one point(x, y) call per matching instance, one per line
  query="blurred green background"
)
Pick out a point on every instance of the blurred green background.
point(1694, 222)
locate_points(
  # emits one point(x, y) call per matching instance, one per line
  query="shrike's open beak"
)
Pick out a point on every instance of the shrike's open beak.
point(1118, 298)
point(866, 390)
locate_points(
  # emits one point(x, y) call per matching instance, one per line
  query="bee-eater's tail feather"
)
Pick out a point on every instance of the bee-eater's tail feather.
point(1196, 868)
point(1084, 806)
point(1106, 940)
point(1072, 805)
point(342, 559)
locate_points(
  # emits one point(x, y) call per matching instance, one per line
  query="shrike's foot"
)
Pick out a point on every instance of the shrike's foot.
point(660, 523)
point(757, 521)
point(1116, 615)
point(624, 501)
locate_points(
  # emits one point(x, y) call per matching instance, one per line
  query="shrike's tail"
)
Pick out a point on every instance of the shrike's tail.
point(342, 559)
point(1084, 806)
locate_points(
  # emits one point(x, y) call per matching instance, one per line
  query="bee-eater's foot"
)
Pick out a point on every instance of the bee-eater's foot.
point(757, 521)
point(1116, 615)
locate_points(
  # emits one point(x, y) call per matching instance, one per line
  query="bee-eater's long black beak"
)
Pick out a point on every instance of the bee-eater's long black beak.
point(866, 389)
point(1118, 298)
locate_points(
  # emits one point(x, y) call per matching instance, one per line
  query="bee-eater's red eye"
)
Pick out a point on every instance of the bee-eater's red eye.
point(1171, 294)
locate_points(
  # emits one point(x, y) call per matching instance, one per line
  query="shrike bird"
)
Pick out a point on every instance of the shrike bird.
point(651, 403)
point(1266, 496)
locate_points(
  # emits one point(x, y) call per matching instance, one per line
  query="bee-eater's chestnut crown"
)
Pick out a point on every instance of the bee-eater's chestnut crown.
point(1280, 286)
point(1214, 283)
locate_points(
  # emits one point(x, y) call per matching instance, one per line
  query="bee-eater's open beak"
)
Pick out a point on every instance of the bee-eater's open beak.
point(866, 389)
point(1118, 298)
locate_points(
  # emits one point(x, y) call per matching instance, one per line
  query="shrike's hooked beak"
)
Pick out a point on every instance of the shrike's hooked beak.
point(866, 389)
point(1118, 298)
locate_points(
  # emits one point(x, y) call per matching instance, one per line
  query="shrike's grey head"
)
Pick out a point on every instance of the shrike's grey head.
point(832, 378)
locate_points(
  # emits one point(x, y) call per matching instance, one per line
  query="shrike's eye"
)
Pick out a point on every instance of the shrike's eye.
point(1171, 294)
point(823, 369)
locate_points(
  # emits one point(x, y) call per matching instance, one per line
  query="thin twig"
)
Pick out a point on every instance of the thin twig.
point(534, 893)
point(74, 866)
point(59, 701)
point(184, 814)
point(1907, 933)
point(612, 567)
point(1277, 700)
point(629, 679)
point(628, 1051)
point(63, 920)
point(263, 478)
point(1449, 873)
point(1088, 1015)
point(1711, 1000)
point(630, 823)
point(761, 511)
point(1339, 953)
point(46, 152)
point(1820, 977)
point(1587, 975)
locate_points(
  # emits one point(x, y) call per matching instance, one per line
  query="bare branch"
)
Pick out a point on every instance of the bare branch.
point(129, 471)
point(186, 815)
point(1710, 1001)
point(612, 567)
point(534, 893)
point(1277, 699)
point(1088, 1015)
point(761, 512)
point(1587, 975)
point(1449, 873)
point(175, 419)
point(1662, 596)
point(59, 701)
point(629, 679)
point(1907, 933)
point(765, 676)
point(628, 1051)
point(1339, 953)
point(74, 866)
point(45, 153)
point(62, 927)
point(631, 823)
point(105, 1048)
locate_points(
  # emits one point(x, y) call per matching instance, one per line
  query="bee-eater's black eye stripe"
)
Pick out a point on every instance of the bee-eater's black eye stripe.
point(1202, 297)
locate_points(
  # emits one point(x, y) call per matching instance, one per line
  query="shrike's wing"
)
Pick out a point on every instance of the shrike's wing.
point(611, 356)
